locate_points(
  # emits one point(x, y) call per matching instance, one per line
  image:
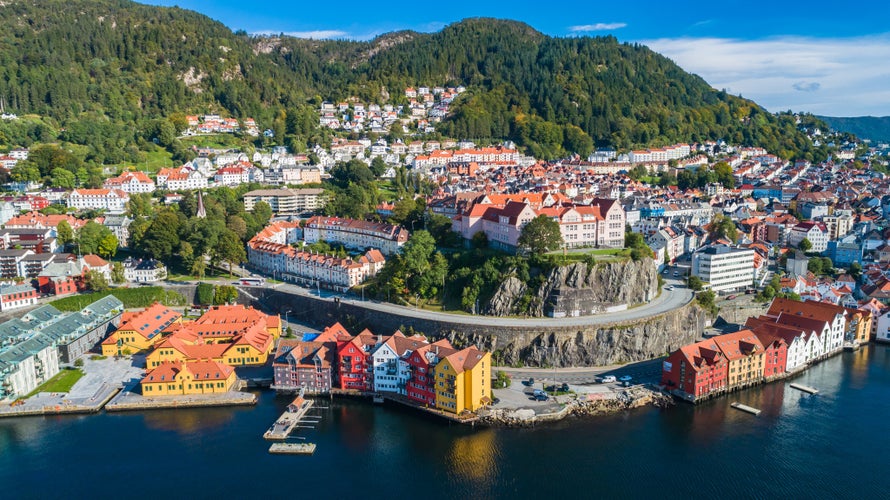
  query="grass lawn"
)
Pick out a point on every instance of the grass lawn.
point(142, 296)
point(62, 382)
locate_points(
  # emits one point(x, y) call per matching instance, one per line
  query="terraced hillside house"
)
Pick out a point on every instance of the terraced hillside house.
point(182, 379)
point(140, 331)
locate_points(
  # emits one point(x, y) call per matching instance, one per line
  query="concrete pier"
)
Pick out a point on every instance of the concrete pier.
point(292, 448)
point(745, 408)
point(805, 388)
point(288, 420)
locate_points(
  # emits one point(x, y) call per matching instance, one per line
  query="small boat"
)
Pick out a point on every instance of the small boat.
point(377, 399)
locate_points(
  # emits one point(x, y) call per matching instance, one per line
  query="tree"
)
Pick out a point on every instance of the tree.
point(805, 245)
point(140, 205)
point(186, 254)
point(540, 235)
point(96, 281)
point(695, 283)
point(724, 228)
point(90, 236)
point(64, 233)
point(199, 266)
point(205, 294)
point(637, 245)
point(724, 174)
point(237, 225)
point(62, 178)
point(107, 246)
point(262, 212)
point(117, 273)
point(161, 238)
point(479, 240)
point(855, 270)
point(225, 294)
point(230, 249)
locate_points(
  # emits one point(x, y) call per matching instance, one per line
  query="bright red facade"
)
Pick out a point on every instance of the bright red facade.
point(353, 360)
point(697, 370)
point(775, 354)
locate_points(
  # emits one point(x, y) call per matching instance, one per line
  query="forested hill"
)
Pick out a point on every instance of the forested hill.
point(92, 65)
point(876, 128)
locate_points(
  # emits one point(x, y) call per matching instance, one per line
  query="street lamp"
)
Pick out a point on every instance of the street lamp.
point(285, 317)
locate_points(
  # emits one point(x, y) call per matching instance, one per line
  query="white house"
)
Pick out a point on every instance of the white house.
point(815, 232)
point(112, 200)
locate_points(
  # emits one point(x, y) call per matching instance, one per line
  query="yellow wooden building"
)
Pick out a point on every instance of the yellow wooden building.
point(140, 331)
point(195, 377)
point(463, 381)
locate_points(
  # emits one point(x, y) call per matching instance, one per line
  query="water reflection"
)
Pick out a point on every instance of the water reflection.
point(473, 457)
point(187, 422)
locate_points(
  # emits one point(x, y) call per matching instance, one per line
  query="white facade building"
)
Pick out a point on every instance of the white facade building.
point(725, 268)
point(112, 200)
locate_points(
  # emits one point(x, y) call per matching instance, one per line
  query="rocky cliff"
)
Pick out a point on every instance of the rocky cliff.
point(531, 345)
point(578, 290)
point(588, 346)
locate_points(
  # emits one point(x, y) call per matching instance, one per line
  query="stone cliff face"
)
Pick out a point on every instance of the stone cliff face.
point(580, 290)
point(589, 346)
point(510, 345)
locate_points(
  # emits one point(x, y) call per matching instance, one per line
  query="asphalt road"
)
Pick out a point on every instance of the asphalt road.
point(667, 301)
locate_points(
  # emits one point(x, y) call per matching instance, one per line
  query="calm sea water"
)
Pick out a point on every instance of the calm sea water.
point(834, 444)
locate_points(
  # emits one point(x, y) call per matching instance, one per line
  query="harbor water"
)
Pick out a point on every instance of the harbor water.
point(831, 444)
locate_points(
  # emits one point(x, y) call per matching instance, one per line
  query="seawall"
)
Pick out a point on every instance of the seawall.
point(511, 345)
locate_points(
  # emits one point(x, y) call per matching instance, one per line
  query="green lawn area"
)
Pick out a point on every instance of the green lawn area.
point(142, 296)
point(387, 190)
point(62, 382)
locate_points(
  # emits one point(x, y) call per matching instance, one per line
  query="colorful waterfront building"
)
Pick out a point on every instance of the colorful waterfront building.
point(354, 362)
point(696, 371)
point(463, 381)
point(304, 365)
point(421, 387)
point(775, 354)
point(194, 377)
point(140, 331)
point(744, 352)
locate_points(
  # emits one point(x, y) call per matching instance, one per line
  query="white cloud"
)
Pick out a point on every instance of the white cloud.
point(597, 27)
point(826, 76)
point(315, 34)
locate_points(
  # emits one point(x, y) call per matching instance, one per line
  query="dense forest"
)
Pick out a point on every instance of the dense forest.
point(90, 66)
point(876, 128)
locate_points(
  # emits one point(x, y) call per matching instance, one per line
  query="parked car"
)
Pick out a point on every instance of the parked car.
point(625, 378)
point(676, 273)
point(531, 382)
point(669, 287)
point(730, 297)
point(537, 392)
point(542, 397)
point(565, 387)
point(750, 291)
point(608, 379)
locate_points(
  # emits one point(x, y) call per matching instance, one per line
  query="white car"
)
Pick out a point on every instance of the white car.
point(669, 287)
point(608, 379)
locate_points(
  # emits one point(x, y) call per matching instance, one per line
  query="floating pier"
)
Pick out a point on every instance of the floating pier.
point(288, 420)
point(745, 408)
point(292, 448)
point(805, 388)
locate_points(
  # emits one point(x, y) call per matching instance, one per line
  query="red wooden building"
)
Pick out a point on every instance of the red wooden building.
point(775, 354)
point(696, 370)
point(353, 360)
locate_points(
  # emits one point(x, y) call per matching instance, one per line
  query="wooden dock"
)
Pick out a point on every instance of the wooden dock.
point(805, 388)
point(745, 408)
point(292, 448)
point(289, 420)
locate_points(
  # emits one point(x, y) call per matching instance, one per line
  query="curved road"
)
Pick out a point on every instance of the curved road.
point(667, 301)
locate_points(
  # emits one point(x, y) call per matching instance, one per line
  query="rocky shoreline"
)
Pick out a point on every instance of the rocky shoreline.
point(580, 408)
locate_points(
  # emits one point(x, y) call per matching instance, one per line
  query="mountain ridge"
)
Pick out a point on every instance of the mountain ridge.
point(132, 64)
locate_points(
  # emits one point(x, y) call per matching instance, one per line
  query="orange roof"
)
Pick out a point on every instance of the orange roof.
point(150, 321)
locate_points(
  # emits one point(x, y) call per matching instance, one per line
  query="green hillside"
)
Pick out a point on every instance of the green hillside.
point(876, 128)
point(109, 73)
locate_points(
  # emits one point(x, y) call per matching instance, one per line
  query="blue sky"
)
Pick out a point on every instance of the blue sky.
point(805, 56)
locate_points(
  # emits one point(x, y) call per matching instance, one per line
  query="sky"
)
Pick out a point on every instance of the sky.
point(827, 59)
